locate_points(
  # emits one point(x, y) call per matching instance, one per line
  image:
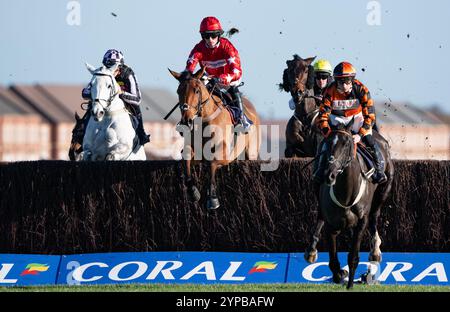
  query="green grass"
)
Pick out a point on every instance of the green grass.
point(227, 288)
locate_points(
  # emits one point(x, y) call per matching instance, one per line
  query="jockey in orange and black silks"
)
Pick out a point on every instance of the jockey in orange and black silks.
point(347, 99)
point(221, 61)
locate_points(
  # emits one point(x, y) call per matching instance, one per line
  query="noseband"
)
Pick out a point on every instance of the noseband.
point(112, 93)
point(185, 106)
point(341, 165)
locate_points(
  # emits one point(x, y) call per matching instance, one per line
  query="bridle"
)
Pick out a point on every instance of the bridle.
point(112, 94)
point(185, 106)
point(341, 165)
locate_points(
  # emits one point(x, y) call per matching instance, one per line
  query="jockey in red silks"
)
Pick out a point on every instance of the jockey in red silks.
point(221, 61)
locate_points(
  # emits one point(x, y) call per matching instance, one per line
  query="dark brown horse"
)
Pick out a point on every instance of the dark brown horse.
point(302, 135)
point(76, 144)
point(223, 145)
point(349, 201)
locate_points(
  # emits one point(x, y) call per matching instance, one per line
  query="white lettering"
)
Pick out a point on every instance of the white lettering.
point(78, 272)
point(166, 272)
point(389, 269)
point(74, 16)
point(114, 274)
point(208, 271)
point(374, 16)
point(307, 272)
point(228, 275)
point(70, 266)
point(4, 270)
point(439, 270)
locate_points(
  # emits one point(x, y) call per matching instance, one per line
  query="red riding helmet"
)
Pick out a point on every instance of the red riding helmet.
point(344, 69)
point(210, 24)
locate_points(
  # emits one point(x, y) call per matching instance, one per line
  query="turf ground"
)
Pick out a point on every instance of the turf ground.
point(228, 288)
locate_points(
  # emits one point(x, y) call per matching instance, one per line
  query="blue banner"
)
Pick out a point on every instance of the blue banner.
point(214, 267)
point(21, 270)
point(173, 267)
point(395, 268)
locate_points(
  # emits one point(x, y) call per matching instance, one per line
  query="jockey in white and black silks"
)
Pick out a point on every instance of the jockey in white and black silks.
point(130, 92)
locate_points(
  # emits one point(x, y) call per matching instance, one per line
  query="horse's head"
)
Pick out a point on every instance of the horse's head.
point(340, 152)
point(104, 89)
point(76, 146)
point(298, 77)
point(192, 95)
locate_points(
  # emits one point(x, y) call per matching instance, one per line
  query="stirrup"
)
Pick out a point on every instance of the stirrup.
point(243, 126)
point(381, 178)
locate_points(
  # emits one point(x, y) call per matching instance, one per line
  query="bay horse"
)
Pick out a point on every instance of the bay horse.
point(349, 201)
point(199, 105)
point(302, 134)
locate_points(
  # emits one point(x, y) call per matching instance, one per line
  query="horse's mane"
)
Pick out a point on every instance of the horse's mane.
point(104, 70)
point(285, 85)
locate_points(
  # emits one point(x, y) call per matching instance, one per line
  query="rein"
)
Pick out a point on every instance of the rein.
point(362, 186)
point(201, 103)
point(112, 94)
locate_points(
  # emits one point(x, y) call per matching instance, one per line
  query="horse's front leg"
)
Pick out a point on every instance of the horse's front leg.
point(192, 189)
point(353, 255)
point(213, 201)
point(86, 154)
point(335, 266)
point(119, 151)
point(311, 253)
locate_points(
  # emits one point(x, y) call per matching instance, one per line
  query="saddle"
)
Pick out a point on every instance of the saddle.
point(234, 111)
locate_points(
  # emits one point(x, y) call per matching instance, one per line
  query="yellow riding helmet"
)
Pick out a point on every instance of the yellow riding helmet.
point(323, 66)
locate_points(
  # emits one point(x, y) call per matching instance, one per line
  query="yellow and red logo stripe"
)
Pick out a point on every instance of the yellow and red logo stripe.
point(262, 266)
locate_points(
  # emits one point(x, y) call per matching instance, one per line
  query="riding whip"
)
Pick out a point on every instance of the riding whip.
point(171, 111)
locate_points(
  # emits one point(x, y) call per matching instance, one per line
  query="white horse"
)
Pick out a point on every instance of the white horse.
point(109, 134)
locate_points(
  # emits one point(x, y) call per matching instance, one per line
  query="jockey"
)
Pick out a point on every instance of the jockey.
point(322, 77)
point(221, 61)
point(346, 99)
point(130, 92)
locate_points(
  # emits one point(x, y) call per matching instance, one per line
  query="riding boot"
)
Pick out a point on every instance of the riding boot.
point(237, 99)
point(140, 131)
point(319, 165)
point(379, 176)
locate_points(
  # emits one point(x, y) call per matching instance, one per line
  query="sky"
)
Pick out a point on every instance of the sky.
point(399, 48)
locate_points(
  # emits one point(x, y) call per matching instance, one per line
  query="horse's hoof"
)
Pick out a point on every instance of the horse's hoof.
point(368, 278)
point(340, 277)
point(311, 256)
point(195, 194)
point(212, 203)
point(349, 285)
point(375, 258)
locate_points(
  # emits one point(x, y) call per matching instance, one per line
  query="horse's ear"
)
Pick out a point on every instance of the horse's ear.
point(199, 73)
point(309, 60)
point(175, 74)
point(90, 68)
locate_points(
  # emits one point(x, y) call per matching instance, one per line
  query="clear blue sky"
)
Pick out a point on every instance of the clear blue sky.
point(38, 45)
